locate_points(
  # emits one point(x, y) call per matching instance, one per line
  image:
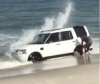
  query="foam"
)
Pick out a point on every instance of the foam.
point(12, 64)
point(96, 46)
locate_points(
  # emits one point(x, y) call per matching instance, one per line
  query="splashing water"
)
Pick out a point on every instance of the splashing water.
point(50, 23)
point(26, 38)
point(62, 18)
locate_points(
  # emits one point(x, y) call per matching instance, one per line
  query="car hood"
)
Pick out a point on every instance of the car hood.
point(29, 46)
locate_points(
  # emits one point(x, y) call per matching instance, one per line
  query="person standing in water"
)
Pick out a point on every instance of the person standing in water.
point(86, 46)
point(88, 43)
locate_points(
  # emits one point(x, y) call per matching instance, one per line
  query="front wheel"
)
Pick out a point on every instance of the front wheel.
point(34, 57)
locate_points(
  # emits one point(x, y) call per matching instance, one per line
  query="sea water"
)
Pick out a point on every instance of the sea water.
point(21, 20)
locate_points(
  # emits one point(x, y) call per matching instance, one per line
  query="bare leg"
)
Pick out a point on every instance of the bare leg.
point(88, 57)
point(84, 58)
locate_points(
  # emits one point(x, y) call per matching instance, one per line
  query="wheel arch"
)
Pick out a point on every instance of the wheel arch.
point(78, 48)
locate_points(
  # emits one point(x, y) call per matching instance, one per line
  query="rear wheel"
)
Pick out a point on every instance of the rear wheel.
point(78, 51)
point(76, 54)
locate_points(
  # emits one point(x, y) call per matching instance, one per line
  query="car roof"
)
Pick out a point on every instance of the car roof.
point(57, 30)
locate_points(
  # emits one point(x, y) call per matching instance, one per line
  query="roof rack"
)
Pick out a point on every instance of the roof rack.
point(61, 28)
point(52, 29)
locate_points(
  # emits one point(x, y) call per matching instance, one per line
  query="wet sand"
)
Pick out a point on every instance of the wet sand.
point(82, 74)
point(64, 70)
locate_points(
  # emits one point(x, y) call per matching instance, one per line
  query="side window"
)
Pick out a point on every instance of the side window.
point(53, 38)
point(67, 35)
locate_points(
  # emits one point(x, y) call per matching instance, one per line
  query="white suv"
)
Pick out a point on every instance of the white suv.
point(52, 43)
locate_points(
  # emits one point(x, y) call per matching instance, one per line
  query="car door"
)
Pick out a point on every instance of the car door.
point(52, 45)
point(67, 42)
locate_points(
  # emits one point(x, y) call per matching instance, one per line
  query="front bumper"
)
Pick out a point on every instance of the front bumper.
point(20, 57)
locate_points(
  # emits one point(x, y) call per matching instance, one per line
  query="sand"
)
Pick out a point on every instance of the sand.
point(82, 74)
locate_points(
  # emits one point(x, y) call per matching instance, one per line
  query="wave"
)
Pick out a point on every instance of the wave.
point(7, 39)
point(12, 64)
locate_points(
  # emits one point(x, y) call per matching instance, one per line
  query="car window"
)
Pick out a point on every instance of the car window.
point(54, 37)
point(66, 35)
point(80, 31)
point(40, 38)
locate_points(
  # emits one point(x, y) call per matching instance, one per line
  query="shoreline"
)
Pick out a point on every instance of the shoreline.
point(94, 57)
point(82, 74)
point(50, 64)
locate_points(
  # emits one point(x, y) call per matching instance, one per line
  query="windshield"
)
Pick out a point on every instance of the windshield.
point(40, 38)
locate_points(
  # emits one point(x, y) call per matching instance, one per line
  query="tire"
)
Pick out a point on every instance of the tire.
point(35, 57)
point(76, 54)
point(78, 51)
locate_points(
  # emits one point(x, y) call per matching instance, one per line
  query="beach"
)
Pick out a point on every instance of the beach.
point(22, 20)
point(82, 74)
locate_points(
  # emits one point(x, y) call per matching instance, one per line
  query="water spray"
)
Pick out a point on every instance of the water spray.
point(50, 23)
